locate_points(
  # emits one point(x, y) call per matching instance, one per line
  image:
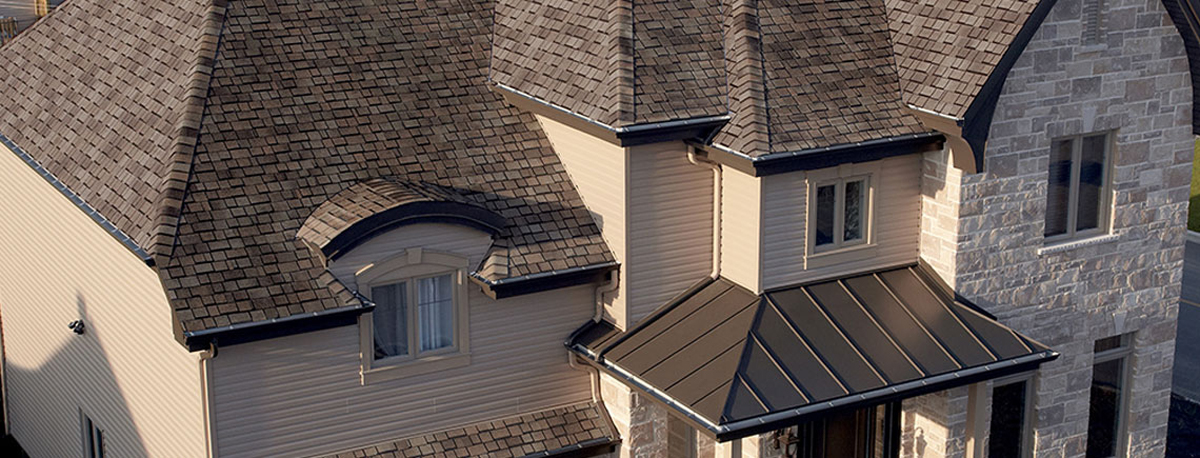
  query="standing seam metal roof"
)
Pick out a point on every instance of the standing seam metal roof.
point(731, 358)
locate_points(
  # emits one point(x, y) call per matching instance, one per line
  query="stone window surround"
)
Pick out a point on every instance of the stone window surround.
point(869, 246)
point(409, 264)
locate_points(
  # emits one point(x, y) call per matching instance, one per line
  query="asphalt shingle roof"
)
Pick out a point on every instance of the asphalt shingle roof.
point(305, 100)
point(539, 434)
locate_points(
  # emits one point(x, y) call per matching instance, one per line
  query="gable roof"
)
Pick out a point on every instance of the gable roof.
point(305, 99)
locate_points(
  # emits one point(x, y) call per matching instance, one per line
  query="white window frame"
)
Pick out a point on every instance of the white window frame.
point(1104, 226)
point(409, 267)
point(1027, 418)
point(839, 176)
point(1125, 354)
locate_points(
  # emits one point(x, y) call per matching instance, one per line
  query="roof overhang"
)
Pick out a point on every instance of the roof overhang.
point(737, 364)
point(631, 135)
point(823, 157)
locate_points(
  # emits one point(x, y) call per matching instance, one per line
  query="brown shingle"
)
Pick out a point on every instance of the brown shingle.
point(577, 424)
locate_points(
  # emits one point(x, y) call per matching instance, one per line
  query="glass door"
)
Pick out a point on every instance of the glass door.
point(873, 432)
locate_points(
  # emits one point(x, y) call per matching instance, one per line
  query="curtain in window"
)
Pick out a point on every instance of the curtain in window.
point(435, 310)
point(390, 320)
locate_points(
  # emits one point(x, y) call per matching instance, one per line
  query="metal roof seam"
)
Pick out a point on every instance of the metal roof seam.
point(971, 331)
point(842, 332)
point(804, 340)
point(903, 352)
point(941, 345)
point(775, 361)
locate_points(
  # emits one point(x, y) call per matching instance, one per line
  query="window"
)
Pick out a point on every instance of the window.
point(93, 439)
point(1010, 425)
point(1106, 407)
point(419, 323)
point(840, 216)
point(432, 319)
point(1077, 197)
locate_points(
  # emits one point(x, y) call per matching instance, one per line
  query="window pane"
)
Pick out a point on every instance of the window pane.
point(390, 320)
point(1091, 182)
point(856, 200)
point(1058, 198)
point(826, 196)
point(1104, 410)
point(435, 312)
point(1008, 421)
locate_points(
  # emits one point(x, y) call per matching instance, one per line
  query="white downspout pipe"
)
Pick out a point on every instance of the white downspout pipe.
point(716, 224)
point(206, 381)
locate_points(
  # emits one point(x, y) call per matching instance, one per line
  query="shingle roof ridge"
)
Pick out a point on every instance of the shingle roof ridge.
point(168, 205)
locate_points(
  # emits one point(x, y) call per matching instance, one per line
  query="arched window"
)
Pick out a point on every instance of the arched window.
point(420, 320)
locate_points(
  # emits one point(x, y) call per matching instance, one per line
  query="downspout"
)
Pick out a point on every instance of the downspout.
point(716, 224)
point(595, 375)
point(613, 281)
point(206, 356)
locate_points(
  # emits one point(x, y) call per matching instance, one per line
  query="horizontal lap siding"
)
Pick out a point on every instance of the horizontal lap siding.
point(670, 225)
point(301, 395)
point(127, 372)
point(599, 171)
point(741, 214)
point(896, 221)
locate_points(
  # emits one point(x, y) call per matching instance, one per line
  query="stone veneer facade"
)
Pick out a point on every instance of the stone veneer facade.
point(983, 234)
point(1136, 85)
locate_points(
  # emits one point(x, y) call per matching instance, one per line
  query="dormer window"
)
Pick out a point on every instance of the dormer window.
point(841, 214)
point(419, 324)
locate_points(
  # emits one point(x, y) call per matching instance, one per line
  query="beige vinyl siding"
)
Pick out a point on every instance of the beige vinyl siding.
point(741, 217)
point(451, 238)
point(599, 171)
point(670, 225)
point(896, 219)
point(301, 395)
point(127, 372)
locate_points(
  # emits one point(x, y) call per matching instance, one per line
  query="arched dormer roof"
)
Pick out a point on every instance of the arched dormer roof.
point(368, 207)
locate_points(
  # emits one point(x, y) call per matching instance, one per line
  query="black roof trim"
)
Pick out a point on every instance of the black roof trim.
point(412, 213)
point(632, 135)
point(279, 327)
point(823, 157)
point(977, 120)
point(1187, 19)
point(536, 283)
point(79, 202)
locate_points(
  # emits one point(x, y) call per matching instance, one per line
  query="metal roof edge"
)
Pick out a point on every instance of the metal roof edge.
point(62, 188)
point(823, 157)
point(542, 281)
point(276, 327)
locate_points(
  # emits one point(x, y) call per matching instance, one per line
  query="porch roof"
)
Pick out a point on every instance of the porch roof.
point(737, 363)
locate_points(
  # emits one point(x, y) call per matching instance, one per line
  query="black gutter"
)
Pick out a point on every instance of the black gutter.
point(276, 327)
point(632, 135)
point(545, 281)
point(79, 202)
point(823, 157)
point(587, 448)
point(976, 123)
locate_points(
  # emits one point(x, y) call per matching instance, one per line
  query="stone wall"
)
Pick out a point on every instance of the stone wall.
point(1137, 85)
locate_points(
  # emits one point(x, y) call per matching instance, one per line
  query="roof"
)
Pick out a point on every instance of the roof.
point(582, 429)
point(1186, 16)
point(212, 157)
point(947, 49)
point(811, 74)
point(797, 76)
point(740, 363)
point(592, 57)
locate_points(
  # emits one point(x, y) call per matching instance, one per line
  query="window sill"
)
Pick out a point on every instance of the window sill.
point(391, 371)
point(1068, 245)
point(841, 255)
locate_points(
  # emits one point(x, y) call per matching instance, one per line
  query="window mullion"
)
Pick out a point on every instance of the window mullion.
point(839, 214)
point(1073, 199)
point(414, 327)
